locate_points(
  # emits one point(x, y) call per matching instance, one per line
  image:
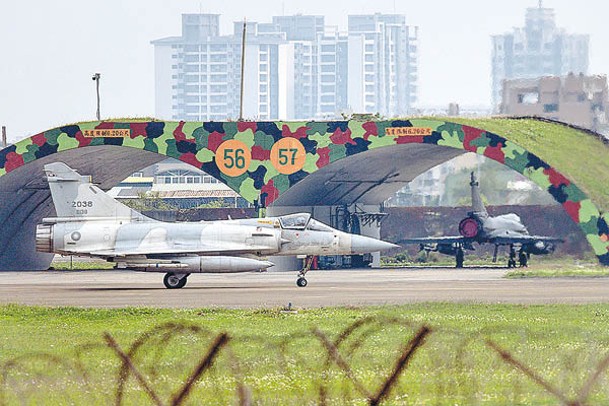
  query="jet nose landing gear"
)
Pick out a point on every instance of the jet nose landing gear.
point(175, 281)
point(301, 282)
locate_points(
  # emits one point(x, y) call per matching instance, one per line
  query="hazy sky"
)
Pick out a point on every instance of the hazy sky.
point(50, 49)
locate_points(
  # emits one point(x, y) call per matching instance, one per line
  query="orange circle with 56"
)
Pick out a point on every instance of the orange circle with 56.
point(288, 155)
point(233, 158)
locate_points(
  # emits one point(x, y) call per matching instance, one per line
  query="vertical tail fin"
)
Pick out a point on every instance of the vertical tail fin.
point(75, 196)
point(477, 205)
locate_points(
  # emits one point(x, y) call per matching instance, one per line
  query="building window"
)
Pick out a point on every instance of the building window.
point(217, 47)
point(218, 68)
point(528, 98)
point(327, 78)
point(549, 108)
point(218, 89)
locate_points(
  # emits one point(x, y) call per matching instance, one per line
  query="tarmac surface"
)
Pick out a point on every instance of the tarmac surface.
point(272, 289)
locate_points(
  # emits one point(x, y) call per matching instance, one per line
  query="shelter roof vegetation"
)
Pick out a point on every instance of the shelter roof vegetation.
point(581, 155)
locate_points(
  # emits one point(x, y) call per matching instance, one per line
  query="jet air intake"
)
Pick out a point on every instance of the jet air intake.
point(44, 238)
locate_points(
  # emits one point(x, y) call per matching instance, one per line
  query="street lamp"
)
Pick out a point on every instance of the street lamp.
point(96, 78)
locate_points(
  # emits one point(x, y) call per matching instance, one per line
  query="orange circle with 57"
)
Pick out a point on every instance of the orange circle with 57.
point(288, 155)
point(233, 158)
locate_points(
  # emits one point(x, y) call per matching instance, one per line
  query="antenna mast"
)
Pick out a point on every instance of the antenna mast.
point(242, 71)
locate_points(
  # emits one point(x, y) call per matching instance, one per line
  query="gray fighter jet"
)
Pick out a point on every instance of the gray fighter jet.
point(479, 227)
point(91, 223)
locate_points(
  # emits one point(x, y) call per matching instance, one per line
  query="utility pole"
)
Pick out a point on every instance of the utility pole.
point(96, 78)
point(242, 70)
point(4, 141)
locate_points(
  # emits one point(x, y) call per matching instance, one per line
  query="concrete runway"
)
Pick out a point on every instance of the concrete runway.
point(326, 288)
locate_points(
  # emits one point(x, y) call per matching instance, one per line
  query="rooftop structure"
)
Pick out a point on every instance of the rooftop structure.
point(575, 99)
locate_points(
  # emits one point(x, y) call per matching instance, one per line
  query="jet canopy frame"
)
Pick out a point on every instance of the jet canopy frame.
point(296, 221)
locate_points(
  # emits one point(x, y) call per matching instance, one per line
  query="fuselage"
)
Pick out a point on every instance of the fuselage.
point(110, 238)
point(506, 225)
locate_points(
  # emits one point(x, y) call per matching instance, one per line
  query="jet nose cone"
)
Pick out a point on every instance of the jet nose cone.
point(364, 245)
point(267, 264)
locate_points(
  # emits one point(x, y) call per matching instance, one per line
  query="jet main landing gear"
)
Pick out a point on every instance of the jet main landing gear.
point(175, 281)
point(512, 258)
point(523, 259)
point(459, 256)
point(301, 282)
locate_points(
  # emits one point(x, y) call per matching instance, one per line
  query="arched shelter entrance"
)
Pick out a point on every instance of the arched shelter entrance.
point(263, 160)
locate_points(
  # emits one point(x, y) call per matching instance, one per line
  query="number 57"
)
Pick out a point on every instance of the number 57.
point(284, 156)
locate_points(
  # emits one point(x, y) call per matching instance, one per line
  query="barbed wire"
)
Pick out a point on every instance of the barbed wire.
point(138, 367)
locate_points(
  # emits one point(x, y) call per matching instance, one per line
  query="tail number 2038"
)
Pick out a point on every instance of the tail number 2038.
point(82, 203)
point(81, 206)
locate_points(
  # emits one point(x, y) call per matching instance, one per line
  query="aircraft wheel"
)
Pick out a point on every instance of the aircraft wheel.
point(301, 282)
point(512, 263)
point(172, 281)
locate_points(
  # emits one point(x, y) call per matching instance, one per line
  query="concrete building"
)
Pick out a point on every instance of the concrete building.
point(296, 67)
point(319, 65)
point(382, 64)
point(197, 75)
point(178, 184)
point(540, 48)
point(575, 99)
point(332, 77)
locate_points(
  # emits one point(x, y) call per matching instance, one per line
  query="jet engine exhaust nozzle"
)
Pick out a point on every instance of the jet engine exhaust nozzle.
point(44, 238)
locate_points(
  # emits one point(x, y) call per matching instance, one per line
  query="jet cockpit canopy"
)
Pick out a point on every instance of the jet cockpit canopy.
point(297, 221)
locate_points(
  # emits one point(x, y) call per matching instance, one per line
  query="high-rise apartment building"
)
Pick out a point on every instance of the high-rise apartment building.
point(382, 64)
point(295, 68)
point(197, 75)
point(538, 49)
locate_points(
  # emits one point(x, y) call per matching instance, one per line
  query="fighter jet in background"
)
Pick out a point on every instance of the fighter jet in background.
point(479, 227)
point(91, 223)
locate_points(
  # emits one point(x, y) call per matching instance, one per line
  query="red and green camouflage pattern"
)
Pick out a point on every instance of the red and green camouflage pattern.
point(324, 142)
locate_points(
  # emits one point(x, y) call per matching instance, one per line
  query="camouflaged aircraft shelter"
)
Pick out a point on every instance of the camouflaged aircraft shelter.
point(302, 164)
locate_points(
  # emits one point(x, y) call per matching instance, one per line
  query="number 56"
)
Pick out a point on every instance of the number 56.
point(234, 158)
